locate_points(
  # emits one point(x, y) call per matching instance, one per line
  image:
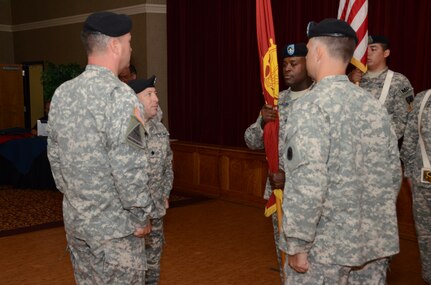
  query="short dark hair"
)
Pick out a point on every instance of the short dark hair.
point(94, 41)
point(340, 47)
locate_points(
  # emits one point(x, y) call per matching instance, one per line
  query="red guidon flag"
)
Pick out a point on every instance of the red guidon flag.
point(355, 12)
point(269, 81)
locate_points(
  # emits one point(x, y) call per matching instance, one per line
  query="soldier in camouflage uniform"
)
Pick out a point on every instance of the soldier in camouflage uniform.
point(400, 94)
point(296, 77)
point(98, 161)
point(160, 173)
point(343, 172)
point(421, 189)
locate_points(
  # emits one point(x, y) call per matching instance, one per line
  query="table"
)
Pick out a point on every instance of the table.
point(23, 160)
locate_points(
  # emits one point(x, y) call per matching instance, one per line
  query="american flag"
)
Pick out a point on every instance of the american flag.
point(355, 12)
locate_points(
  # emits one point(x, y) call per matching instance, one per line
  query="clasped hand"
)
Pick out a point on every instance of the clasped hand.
point(276, 179)
point(299, 262)
point(268, 113)
point(141, 232)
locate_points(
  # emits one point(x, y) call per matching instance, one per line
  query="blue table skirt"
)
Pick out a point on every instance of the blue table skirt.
point(24, 163)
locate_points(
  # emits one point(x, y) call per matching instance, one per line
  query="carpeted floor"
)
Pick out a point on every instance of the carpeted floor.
point(25, 210)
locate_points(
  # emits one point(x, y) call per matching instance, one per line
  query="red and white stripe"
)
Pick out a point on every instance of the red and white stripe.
point(355, 12)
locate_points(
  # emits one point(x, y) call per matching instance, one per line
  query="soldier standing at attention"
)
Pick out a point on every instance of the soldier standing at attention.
point(98, 160)
point(160, 173)
point(343, 172)
point(392, 89)
point(296, 77)
point(415, 154)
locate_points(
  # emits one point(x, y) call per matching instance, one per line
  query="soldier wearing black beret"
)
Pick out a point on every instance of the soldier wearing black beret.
point(144, 87)
point(339, 214)
point(391, 88)
point(108, 23)
point(331, 28)
point(139, 85)
point(298, 82)
point(98, 164)
point(102, 25)
point(295, 50)
point(160, 172)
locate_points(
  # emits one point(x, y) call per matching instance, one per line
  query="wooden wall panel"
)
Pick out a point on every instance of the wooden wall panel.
point(404, 212)
point(184, 167)
point(239, 174)
point(230, 173)
point(208, 170)
point(243, 175)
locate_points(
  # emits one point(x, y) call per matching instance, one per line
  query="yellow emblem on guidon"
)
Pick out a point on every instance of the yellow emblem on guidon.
point(270, 68)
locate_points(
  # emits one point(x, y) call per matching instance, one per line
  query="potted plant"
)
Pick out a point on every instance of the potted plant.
point(54, 75)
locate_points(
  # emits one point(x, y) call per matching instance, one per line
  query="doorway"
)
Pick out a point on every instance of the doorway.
point(33, 93)
point(11, 96)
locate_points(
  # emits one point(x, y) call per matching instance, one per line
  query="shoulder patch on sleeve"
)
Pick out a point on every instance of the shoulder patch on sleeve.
point(135, 133)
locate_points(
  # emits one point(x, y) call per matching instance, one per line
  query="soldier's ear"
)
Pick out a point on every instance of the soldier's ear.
point(319, 52)
point(386, 53)
point(115, 46)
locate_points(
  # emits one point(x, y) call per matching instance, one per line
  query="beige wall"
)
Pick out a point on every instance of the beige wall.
point(49, 30)
point(157, 61)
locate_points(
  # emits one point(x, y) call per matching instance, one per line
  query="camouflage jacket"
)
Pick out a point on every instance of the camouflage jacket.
point(160, 171)
point(410, 151)
point(400, 96)
point(342, 176)
point(253, 135)
point(103, 178)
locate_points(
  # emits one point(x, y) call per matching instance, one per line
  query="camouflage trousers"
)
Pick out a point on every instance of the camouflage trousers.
point(153, 250)
point(372, 273)
point(422, 217)
point(119, 262)
point(277, 244)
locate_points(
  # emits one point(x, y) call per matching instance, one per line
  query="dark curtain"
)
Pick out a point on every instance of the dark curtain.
point(407, 24)
point(213, 70)
point(213, 65)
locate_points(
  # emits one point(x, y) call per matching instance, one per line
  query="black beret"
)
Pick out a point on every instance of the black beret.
point(378, 40)
point(108, 23)
point(291, 50)
point(331, 28)
point(139, 85)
